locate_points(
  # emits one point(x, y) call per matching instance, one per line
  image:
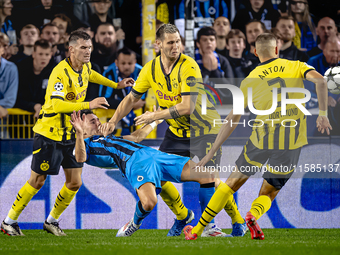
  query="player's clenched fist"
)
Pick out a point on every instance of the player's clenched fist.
point(99, 102)
point(107, 128)
point(127, 82)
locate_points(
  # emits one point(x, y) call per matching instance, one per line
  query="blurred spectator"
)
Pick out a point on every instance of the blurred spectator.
point(328, 58)
point(257, 9)
point(253, 29)
point(44, 13)
point(236, 43)
point(29, 34)
point(125, 66)
point(85, 26)
point(105, 50)
point(64, 25)
point(33, 77)
point(50, 32)
point(278, 35)
point(8, 83)
point(222, 28)
point(212, 64)
point(326, 28)
point(6, 7)
point(7, 27)
point(305, 34)
point(289, 51)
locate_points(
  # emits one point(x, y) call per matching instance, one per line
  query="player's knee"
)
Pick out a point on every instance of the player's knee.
point(74, 186)
point(149, 203)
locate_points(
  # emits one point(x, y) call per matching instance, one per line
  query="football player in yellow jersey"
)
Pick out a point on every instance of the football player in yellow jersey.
point(55, 138)
point(277, 147)
point(176, 81)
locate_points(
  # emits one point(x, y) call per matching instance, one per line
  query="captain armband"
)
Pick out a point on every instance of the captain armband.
point(173, 112)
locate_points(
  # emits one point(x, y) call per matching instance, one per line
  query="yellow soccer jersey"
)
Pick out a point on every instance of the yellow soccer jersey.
point(184, 79)
point(268, 131)
point(65, 93)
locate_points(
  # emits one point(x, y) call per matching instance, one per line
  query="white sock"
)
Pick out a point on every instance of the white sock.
point(9, 221)
point(50, 219)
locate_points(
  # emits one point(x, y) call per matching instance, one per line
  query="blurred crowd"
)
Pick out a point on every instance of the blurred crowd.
point(34, 38)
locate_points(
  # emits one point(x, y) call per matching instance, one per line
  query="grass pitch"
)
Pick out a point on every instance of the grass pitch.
point(83, 242)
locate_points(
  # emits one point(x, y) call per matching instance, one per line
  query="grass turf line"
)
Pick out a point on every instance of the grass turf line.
point(84, 242)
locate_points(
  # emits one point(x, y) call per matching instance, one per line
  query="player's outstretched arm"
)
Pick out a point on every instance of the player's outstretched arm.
point(322, 122)
point(123, 109)
point(140, 134)
point(225, 131)
point(186, 107)
point(95, 77)
point(77, 122)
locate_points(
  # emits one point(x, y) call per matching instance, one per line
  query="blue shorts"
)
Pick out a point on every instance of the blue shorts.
point(150, 165)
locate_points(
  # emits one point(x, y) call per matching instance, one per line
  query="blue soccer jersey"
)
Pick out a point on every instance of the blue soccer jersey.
point(110, 151)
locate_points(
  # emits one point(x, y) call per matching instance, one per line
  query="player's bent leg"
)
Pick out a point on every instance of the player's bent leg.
point(10, 225)
point(66, 194)
point(148, 200)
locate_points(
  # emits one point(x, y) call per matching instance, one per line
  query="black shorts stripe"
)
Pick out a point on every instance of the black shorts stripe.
point(63, 126)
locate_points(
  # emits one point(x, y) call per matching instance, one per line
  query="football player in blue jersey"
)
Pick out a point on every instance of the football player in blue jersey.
point(145, 168)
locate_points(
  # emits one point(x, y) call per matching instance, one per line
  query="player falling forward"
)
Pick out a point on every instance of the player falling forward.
point(146, 169)
point(275, 146)
point(55, 138)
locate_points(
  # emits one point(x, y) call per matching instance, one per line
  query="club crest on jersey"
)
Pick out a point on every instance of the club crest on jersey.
point(70, 96)
point(58, 86)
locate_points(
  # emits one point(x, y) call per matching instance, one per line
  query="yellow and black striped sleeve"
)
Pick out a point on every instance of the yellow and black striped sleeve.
point(95, 77)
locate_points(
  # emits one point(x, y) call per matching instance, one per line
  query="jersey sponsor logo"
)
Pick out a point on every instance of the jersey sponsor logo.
point(81, 94)
point(191, 81)
point(57, 93)
point(70, 96)
point(161, 95)
point(44, 166)
point(140, 178)
point(58, 86)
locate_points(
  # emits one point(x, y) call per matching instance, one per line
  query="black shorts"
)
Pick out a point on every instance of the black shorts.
point(190, 147)
point(279, 165)
point(49, 155)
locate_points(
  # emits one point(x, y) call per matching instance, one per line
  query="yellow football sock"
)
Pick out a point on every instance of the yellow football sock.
point(171, 197)
point(216, 204)
point(24, 196)
point(62, 201)
point(232, 211)
point(260, 206)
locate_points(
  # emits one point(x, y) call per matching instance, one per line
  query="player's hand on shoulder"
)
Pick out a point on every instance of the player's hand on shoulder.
point(127, 82)
point(322, 124)
point(99, 102)
point(107, 128)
